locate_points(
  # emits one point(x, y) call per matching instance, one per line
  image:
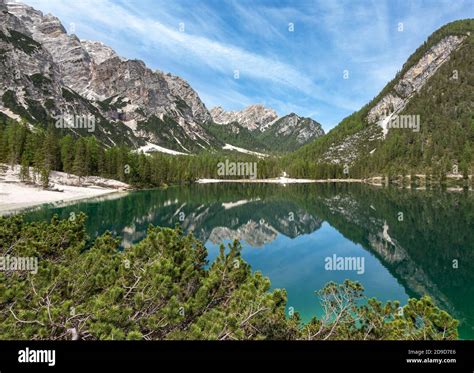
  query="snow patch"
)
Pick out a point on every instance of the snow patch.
point(64, 189)
point(10, 114)
point(179, 142)
point(384, 124)
point(242, 150)
point(150, 148)
point(132, 124)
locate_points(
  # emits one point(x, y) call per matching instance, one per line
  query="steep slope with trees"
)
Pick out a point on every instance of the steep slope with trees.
point(259, 128)
point(436, 84)
point(45, 150)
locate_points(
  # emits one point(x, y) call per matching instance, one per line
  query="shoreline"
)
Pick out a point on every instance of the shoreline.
point(17, 208)
point(280, 180)
point(377, 181)
point(17, 196)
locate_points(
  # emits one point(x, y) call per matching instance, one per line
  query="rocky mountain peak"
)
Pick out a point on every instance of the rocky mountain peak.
point(292, 126)
point(252, 117)
point(125, 91)
point(98, 51)
point(60, 74)
point(35, 19)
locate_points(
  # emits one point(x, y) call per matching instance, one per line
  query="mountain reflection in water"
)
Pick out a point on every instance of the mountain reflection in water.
point(409, 239)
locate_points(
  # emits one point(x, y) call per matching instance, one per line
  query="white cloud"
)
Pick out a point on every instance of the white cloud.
point(223, 57)
point(301, 72)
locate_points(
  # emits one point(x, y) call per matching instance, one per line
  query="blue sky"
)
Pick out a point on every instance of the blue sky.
point(291, 69)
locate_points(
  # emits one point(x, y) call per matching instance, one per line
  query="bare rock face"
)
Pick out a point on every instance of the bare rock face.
point(181, 89)
point(388, 104)
point(344, 151)
point(66, 50)
point(98, 52)
point(285, 133)
point(3, 7)
point(31, 85)
point(303, 129)
point(134, 104)
point(363, 142)
point(124, 91)
point(252, 117)
point(414, 79)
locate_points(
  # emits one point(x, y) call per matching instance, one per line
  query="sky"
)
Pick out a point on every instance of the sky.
point(322, 59)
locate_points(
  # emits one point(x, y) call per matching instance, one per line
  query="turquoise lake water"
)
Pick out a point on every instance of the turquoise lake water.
point(408, 240)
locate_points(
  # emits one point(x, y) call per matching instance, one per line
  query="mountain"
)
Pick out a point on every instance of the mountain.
point(253, 117)
point(49, 74)
point(46, 72)
point(434, 88)
point(259, 128)
point(292, 132)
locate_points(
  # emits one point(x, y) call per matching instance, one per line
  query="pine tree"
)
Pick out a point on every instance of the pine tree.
point(92, 150)
point(67, 153)
point(3, 145)
point(16, 136)
point(38, 165)
point(44, 177)
point(25, 170)
point(177, 288)
point(80, 166)
point(51, 150)
point(101, 162)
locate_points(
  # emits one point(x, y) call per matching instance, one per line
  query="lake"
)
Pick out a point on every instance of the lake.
point(398, 243)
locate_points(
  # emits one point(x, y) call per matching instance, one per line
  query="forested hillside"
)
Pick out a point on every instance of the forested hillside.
point(282, 135)
point(445, 105)
point(47, 150)
point(441, 95)
point(236, 135)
